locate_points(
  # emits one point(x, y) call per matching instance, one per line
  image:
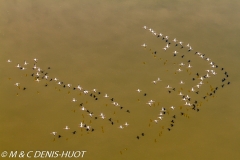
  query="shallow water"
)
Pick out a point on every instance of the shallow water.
point(98, 45)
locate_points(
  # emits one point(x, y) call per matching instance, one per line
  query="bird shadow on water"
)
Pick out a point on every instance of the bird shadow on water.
point(181, 82)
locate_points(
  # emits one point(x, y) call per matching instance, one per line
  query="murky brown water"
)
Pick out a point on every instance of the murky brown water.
point(98, 45)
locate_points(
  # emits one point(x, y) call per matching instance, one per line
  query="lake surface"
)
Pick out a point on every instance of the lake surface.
point(97, 44)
